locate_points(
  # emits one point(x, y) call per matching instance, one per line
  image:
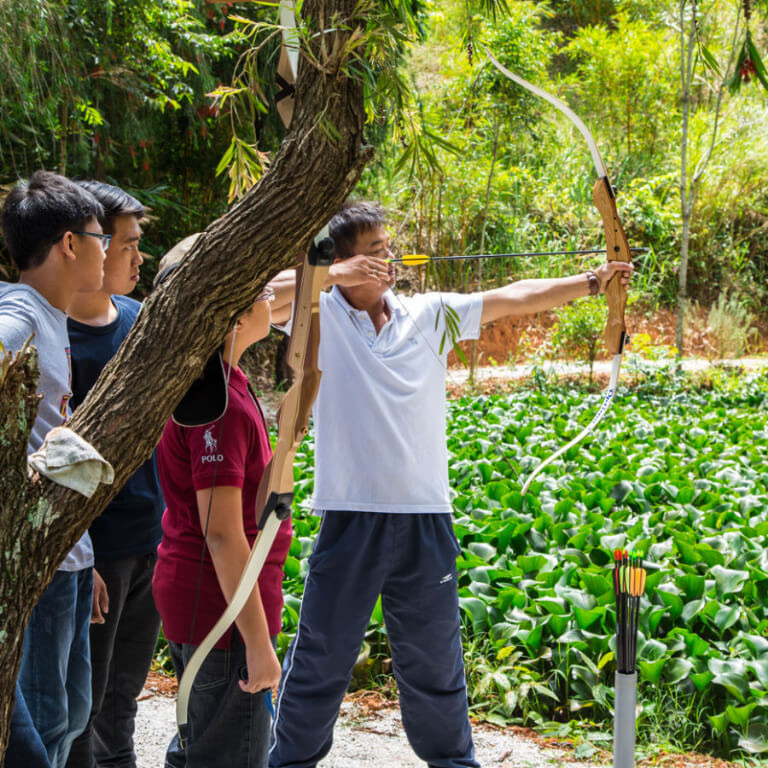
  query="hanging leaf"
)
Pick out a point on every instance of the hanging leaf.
point(757, 62)
point(710, 62)
point(749, 64)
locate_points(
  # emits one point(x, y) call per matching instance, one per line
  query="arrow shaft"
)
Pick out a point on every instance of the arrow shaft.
point(579, 252)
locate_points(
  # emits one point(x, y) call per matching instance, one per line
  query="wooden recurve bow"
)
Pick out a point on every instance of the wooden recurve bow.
point(617, 248)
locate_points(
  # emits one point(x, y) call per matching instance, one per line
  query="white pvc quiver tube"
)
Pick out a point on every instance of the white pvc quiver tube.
point(624, 720)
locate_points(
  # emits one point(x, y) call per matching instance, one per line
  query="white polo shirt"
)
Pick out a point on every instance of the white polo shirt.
point(380, 443)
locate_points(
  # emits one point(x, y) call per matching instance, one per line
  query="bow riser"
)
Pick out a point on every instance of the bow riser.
point(618, 250)
point(294, 412)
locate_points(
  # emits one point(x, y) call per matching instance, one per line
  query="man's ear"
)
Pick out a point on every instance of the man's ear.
point(65, 246)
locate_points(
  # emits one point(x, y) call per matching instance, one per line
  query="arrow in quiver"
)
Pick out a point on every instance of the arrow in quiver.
point(628, 584)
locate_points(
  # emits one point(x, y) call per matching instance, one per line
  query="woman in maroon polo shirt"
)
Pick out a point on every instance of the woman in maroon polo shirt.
point(210, 475)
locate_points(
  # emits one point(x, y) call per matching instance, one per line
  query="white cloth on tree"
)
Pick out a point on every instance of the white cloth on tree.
point(68, 460)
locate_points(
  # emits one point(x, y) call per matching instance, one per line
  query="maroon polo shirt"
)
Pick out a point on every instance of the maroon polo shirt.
point(236, 450)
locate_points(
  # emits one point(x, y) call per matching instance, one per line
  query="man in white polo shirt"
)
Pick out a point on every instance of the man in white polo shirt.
point(381, 484)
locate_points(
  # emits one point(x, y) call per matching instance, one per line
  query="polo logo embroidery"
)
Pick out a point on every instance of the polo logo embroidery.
point(211, 444)
point(446, 578)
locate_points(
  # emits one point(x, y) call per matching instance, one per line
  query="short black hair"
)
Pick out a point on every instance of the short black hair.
point(115, 201)
point(38, 211)
point(352, 220)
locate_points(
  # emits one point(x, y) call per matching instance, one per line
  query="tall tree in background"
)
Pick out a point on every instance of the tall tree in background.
point(743, 65)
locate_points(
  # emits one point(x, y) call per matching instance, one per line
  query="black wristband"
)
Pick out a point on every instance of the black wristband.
point(594, 283)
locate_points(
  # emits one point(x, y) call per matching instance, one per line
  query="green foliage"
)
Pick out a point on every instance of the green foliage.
point(578, 330)
point(749, 65)
point(161, 661)
point(373, 54)
point(161, 96)
point(618, 65)
point(681, 475)
point(635, 65)
point(79, 79)
point(116, 91)
point(504, 682)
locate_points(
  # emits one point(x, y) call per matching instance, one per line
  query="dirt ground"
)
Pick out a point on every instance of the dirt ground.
point(369, 734)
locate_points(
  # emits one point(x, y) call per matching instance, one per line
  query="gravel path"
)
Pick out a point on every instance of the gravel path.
point(363, 738)
point(459, 376)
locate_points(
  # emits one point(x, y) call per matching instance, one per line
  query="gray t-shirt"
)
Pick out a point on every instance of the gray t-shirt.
point(24, 312)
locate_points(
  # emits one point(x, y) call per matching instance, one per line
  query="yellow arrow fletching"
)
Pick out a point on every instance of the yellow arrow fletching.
point(414, 259)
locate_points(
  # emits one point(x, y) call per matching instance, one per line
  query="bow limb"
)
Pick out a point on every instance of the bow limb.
point(598, 417)
point(616, 335)
point(288, 63)
point(275, 494)
point(559, 104)
point(617, 250)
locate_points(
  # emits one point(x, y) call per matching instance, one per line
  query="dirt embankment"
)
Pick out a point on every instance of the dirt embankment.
point(515, 339)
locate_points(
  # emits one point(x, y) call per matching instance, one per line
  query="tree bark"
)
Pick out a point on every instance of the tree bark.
point(181, 324)
point(689, 191)
point(21, 510)
point(686, 76)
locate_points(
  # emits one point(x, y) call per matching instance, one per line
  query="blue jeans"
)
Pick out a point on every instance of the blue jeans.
point(25, 750)
point(227, 727)
point(55, 674)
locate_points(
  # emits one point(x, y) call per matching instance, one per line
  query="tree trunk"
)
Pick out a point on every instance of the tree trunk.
point(21, 513)
point(687, 43)
point(689, 191)
point(64, 125)
point(181, 324)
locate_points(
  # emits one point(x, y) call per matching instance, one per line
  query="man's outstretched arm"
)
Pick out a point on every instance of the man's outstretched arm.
point(527, 297)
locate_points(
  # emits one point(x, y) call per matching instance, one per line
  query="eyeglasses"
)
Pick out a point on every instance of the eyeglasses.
point(268, 294)
point(105, 239)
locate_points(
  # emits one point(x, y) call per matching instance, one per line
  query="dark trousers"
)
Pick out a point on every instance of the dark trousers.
point(121, 654)
point(411, 561)
point(227, 727)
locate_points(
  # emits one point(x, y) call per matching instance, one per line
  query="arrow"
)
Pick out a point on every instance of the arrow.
point(418, 259)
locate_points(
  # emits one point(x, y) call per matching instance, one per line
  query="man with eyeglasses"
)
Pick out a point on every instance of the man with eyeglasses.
point(53, 235)
point(124, 621)
point(381, 485)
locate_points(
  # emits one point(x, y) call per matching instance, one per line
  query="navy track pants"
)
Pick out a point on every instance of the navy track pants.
point(409, 559)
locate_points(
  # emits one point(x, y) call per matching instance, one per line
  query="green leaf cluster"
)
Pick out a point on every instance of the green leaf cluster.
point(680, 475)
